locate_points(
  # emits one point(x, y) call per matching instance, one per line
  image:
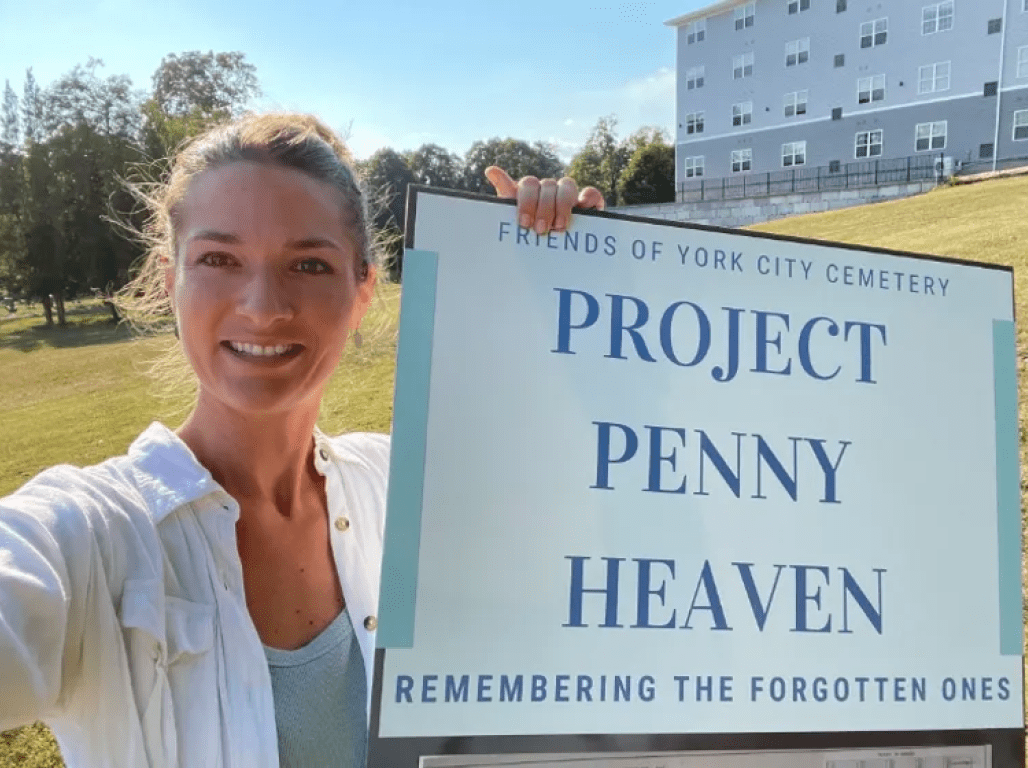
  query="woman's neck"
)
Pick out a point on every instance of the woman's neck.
point(263, 462)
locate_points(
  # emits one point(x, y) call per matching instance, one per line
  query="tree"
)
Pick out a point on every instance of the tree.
point(31, 108)
point(210, 83)
point(650, 175)
point(518, 158)
point(67, 179)
point(603, 160)
point(386, 176)
point(434, 166)
point(9, 120)
point(109, 107)
point(600, 162)
point(191, 92)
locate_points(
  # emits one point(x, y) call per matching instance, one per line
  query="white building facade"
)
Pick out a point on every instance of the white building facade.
point(769, 85)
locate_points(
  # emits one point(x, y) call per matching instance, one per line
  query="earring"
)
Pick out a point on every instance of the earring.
point(358, 340)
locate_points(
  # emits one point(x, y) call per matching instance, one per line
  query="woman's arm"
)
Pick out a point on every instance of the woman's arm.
point(57, 606)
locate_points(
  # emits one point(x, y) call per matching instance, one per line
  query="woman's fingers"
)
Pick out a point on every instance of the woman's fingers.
point(567, 198)
point(528, 201)
point(591, 197)
point(547, 204)
point(545, 212)
point(505, 186)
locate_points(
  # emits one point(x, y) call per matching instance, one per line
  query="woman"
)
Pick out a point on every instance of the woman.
point(209, 598)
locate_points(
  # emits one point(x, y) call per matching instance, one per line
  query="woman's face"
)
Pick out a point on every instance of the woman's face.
point(264, 286)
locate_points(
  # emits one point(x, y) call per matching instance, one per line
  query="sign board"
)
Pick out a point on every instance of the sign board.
point(659, 487)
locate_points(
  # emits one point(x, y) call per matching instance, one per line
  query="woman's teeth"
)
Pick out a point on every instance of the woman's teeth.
point(258, 351)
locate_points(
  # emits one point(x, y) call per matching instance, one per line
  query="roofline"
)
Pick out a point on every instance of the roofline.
point(710, 10)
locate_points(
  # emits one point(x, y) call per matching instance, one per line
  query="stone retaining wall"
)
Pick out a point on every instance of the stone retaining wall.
point(739, 213)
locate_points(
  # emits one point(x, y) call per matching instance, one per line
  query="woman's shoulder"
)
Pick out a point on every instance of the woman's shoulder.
point(151, 475)
point(78, 485)
point(368, 448)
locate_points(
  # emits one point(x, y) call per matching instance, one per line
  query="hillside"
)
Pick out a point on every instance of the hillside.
point(983, 222)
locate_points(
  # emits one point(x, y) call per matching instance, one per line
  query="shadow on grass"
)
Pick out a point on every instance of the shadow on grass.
point(96, 329)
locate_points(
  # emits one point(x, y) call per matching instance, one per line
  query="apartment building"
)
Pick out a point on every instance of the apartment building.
point(767, 85)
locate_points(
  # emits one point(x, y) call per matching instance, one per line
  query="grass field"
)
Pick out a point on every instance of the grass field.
point(80, 394)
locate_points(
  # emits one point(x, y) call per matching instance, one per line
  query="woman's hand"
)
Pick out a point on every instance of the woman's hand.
point(544, 205)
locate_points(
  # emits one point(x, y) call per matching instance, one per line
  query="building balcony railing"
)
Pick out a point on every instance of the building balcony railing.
point(837, 176)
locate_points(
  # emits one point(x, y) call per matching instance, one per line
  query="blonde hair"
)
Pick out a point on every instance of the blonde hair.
point(290, 140)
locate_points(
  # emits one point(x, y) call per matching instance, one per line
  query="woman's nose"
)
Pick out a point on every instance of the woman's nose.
point(263, 300)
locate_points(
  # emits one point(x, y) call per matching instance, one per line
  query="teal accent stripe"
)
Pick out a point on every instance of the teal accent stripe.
point(1008, 487)
point(399, 591)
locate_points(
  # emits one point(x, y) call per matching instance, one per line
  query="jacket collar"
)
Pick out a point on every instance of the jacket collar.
point(167, 472)
point(169, 475)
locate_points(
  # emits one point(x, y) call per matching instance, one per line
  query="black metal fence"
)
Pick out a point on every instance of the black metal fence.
point(971, 167)
point(860, 174)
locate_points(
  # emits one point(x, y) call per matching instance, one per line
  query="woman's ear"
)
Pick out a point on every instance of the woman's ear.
point(365, 293)
point(169, 281)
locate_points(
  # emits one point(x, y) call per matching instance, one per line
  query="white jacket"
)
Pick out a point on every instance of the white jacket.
point(123, 623)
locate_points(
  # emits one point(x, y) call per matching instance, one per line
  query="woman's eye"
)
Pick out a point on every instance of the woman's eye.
point(313, 266)
point(215, 259)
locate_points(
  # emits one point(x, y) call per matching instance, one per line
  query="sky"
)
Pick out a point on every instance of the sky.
point(387, 73)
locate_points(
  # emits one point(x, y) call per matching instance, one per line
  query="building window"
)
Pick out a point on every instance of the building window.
point(834, 166)
point(799, 5)
point(874, 33)
point(1022, 59)
point(871, 89)
point(934, 77)
point(795, 103)
point(742, 113)
point(794, 153)
point(742, 160)
point(930, 136)
point(1021, 125)
point(694, 78)
point(696, 31)
point(937, 18)
point(742, 66)
point(797, 52)
point(694, 122)
point(869, 144)
point(744, 15)
point(840, 59)
point(840, 5)
point(995, 25)
point(693, 166)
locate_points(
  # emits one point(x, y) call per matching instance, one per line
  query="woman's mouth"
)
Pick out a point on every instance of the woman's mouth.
point(259, 351)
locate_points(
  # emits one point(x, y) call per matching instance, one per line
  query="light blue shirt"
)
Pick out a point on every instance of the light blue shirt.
point(319, 692)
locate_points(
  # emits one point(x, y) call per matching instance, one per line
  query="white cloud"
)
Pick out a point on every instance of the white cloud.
point(647, 100)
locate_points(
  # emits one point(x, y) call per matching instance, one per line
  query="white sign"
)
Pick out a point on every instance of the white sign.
point(659, 479)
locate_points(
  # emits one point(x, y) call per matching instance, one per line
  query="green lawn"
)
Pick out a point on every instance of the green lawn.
point(81, 394)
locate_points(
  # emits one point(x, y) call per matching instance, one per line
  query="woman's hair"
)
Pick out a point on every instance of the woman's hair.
point(297, 141)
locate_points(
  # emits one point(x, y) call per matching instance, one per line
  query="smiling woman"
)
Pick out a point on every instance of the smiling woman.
point(211, 597)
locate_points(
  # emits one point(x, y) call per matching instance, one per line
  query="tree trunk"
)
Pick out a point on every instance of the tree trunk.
point(48, 309)
point(115, 317)
point(60, 309)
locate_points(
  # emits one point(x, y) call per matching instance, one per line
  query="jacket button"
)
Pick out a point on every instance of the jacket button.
point(342, 524)
point(371, 623)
